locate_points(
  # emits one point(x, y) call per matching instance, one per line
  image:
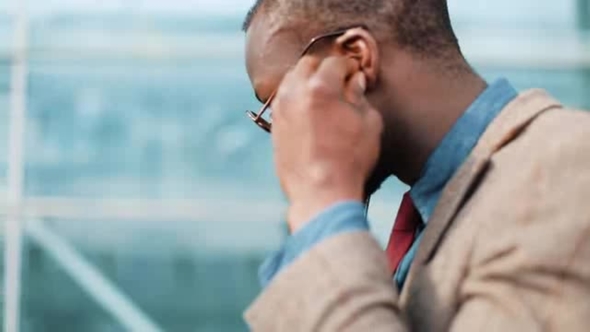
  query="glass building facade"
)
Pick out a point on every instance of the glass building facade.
point(145, 197)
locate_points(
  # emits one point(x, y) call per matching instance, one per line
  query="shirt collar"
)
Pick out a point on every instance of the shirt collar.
point(458, 144)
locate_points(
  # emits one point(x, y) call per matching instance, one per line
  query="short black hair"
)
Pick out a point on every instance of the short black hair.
point(250, 15)
point(423, 26)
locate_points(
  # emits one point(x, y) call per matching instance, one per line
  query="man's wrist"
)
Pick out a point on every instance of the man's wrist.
point(301, 212)
point(337, 219)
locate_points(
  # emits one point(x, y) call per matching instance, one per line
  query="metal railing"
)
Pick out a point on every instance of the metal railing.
point(13, 225)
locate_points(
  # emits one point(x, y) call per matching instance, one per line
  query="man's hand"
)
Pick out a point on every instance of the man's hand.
point(326, 136)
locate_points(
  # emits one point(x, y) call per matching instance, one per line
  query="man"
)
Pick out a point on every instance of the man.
point(494, 234)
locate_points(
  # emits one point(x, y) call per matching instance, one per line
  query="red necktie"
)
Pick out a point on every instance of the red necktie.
point(403, 233)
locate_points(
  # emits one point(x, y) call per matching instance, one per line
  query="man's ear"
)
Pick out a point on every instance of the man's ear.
point(359, 44)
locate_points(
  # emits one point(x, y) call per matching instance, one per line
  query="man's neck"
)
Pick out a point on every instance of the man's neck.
point(427, 102)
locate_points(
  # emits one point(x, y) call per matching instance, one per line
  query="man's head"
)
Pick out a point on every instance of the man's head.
point(406, 45)
point(420, 25)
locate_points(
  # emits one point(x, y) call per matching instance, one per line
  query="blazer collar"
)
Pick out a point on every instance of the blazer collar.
point(511, 121)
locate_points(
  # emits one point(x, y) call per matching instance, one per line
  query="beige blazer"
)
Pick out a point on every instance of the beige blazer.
point(507, 248)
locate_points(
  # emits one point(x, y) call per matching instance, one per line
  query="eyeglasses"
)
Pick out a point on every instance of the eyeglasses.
point(266, 125)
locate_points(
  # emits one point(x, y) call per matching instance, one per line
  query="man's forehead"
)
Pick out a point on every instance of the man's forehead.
point(270, 51)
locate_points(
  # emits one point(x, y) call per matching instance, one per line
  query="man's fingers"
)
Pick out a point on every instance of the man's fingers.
point(333, 72)
point(305, 68)
point(292, 83)
point(315, 81)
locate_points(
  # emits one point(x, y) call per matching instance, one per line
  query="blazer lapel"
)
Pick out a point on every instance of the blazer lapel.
point(448, 206)
point(509, 123)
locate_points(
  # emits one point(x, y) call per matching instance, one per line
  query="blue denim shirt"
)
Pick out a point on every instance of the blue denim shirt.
point(441, 165)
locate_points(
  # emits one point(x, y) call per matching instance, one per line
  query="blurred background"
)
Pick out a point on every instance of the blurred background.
point(135, 193)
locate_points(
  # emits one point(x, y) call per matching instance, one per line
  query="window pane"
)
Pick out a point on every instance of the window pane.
point(508, 14)
point(52, 301)
point(186, 276)
point(535, 44)
point(147, 129)
point(114, 112)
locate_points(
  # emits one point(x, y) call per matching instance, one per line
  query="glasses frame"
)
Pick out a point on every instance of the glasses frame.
point(257, 117)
